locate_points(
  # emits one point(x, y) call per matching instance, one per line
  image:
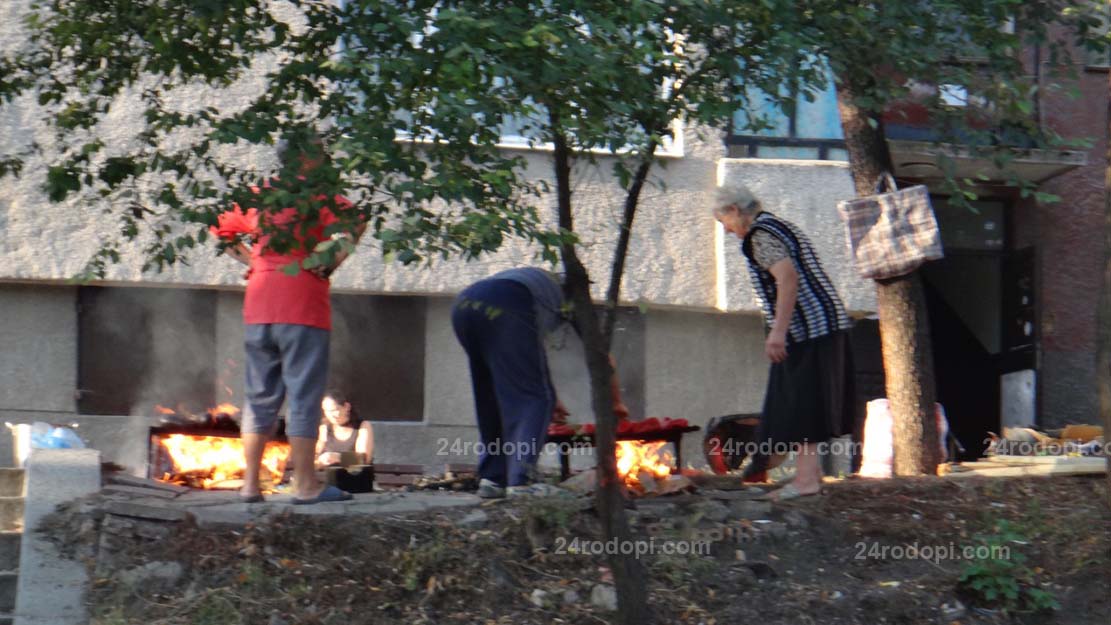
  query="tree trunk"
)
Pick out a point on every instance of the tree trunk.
point(1103, 354)
point(628, 574)
point(904, 322)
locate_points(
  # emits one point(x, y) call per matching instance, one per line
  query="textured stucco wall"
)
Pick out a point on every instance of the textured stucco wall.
point(672, 258)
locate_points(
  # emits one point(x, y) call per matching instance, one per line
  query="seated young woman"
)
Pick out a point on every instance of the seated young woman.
point(342, 432)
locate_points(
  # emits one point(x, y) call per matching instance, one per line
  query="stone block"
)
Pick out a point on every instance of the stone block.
point(9, 550)
point(11, 482)
point(11, 513)
point(145, 511)
point(7, 592)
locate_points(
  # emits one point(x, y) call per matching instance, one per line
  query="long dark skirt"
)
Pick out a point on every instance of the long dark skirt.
point(811, 396)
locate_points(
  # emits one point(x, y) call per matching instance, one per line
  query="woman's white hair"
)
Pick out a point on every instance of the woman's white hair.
point(736, 196)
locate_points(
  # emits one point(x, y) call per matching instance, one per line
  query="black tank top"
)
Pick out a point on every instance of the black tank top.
point(331, 443)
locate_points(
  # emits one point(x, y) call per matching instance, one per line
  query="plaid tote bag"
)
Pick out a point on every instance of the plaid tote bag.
point(893, 232)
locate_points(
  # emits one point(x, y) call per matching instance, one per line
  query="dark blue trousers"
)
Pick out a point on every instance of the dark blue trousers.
point(495, 322)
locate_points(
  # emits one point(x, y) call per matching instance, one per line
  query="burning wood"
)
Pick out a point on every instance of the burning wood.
point(212, 461)
point(221, 417)
point(642, 465)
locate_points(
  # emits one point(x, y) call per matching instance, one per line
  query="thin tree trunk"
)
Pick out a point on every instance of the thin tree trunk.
point(904, 322)
point(1103, 354)
point(628, 574)
point(621, 251)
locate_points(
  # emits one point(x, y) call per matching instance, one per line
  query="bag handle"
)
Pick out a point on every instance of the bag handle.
point(886, 180)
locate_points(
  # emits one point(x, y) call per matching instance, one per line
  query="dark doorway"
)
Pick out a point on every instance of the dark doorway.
point(977, 302)
point(965, 368)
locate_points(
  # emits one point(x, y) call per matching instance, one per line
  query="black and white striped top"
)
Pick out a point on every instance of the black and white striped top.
point(819, 310)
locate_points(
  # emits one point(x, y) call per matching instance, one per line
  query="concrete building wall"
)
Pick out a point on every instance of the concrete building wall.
point(676, 363)
point(38, 343)
point(684, 358)
point(229, 346)
point(704, 365)
point(38, 372)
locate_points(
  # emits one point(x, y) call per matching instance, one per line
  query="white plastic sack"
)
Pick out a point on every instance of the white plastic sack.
point(879, 439)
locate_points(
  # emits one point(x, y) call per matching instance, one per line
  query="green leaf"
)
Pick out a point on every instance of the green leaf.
point(116, 170)
point(60, 182)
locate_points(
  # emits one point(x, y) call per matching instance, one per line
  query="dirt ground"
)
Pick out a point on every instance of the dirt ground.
point(843, 557)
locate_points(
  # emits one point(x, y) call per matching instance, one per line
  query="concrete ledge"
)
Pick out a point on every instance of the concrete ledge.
point(51, 589)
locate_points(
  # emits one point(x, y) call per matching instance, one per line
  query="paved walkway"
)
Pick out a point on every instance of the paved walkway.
point(157, 502)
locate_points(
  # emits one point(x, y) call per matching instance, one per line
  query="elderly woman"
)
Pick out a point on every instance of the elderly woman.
point(809, 397)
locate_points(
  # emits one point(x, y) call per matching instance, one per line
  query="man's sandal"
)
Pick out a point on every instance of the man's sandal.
point(329, 494)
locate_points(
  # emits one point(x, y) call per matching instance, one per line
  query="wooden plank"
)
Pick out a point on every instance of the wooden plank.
point(460, 467)
point(123, 479)
point(405, 469)
point(395, 480)
point(1086, 466)
point(1013, 460)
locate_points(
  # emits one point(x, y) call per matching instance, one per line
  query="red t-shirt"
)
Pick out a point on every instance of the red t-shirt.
point(274, 296)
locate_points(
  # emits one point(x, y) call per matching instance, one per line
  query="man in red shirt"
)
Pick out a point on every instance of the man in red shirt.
point(288, 319)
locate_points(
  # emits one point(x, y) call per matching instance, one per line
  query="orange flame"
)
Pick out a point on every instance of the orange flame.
point(636, 458)
point(225, 408)
point(160, 409)
point(223, 456)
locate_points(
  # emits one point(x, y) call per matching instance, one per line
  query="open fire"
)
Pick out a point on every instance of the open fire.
point(207, 452)
point(217, 461)
point(640, 465)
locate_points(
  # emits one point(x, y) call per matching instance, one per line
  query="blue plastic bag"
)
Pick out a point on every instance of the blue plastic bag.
point(45, 436)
